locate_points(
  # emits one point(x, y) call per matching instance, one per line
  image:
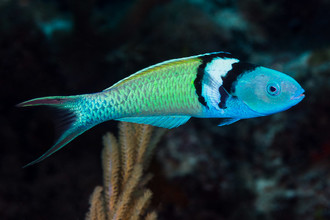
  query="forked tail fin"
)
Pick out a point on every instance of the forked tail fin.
point(71, 120)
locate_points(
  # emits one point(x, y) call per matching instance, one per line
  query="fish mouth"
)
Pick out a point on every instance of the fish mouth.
point(299, 95)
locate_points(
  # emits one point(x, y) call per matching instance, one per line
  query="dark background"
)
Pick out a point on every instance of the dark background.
point(274, 167)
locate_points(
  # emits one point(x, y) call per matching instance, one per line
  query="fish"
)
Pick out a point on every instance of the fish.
point(168, 94)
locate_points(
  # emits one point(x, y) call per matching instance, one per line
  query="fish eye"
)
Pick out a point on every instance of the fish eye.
point(273, 89)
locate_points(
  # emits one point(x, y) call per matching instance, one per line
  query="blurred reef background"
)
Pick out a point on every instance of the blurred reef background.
point(273, 168)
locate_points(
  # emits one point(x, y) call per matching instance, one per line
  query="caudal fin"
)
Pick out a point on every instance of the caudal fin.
point(71, 121)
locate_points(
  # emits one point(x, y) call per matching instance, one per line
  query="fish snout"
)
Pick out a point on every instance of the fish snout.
point(298, 95)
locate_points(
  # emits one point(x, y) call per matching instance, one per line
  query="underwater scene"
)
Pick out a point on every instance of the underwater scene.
point(181, 139)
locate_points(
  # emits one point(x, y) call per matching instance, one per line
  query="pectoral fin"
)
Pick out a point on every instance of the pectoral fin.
point(224, 95)
point(228, 121)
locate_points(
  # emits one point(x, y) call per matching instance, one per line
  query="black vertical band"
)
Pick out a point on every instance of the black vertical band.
point(223, 97)
point(229, 80)
point(201, 72)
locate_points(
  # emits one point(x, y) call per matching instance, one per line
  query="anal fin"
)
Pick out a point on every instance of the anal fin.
point(158, 121)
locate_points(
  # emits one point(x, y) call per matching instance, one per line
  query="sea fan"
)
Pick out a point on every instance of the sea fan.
point(124, 194)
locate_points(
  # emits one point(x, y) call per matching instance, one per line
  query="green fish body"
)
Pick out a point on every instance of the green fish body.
point(162, 90)
point(214, 85)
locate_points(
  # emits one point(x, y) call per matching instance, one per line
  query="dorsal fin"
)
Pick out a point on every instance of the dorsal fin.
point(196, 58)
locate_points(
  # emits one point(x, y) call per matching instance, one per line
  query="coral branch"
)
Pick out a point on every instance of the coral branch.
point(125, 198)
point(111, 169)
point(96, 211)
point(151, 216)
point(141, 204)
point(127, 141)
point(124, 195)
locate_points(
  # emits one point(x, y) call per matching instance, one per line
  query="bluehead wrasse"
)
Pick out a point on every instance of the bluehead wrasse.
point(168, 94)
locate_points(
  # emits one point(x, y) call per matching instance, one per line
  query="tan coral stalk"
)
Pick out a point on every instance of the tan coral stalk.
point(124, 196)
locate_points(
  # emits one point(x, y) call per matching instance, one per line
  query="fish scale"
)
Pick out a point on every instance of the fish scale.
point(165, 87)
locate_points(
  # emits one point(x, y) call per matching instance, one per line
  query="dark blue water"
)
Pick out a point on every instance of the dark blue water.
point(274, 167)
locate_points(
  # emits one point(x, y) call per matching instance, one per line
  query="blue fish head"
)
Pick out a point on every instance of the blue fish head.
point(268, 91)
